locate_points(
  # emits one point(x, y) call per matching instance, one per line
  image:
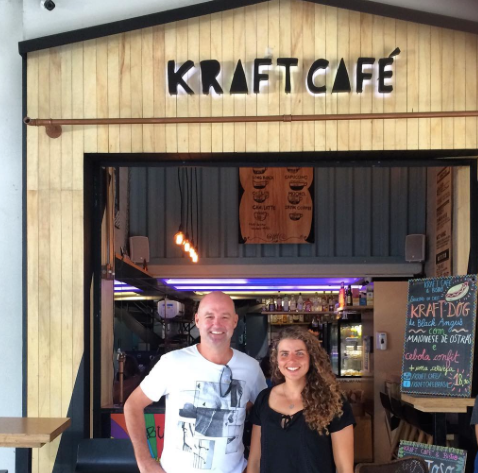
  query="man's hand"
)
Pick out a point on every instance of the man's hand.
point(150, 466)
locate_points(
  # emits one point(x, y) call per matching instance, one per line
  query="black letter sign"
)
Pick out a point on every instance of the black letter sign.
point(258, 77)
point(361, 76)
point(210, 69)
point(319, 64)
point(383, 74)
point(342, 81)
point(287, 62)
point(175, 78)
point(239, 83)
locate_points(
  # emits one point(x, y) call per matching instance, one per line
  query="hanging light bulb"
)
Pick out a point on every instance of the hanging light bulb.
point(195, 258)
point(179, 237)
point(187, 244)
point(192, 250)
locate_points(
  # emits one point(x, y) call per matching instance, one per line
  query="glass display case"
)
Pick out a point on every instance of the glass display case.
point(351, 349)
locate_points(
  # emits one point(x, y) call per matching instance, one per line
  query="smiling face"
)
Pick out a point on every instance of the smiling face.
point(293, 358)
point(216, 320)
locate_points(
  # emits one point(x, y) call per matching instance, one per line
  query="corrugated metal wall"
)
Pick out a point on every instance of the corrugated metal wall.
point(359, 212)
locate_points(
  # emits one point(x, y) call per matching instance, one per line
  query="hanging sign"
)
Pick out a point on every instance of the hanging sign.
point(440, 336)
point(438, 459)
point(276, 205)
point(444, 209)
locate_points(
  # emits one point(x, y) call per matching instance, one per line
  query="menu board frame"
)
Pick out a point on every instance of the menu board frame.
point(440, 311)
point(448, 456)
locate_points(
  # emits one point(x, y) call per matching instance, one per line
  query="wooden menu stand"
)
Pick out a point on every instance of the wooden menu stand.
point(439, 407)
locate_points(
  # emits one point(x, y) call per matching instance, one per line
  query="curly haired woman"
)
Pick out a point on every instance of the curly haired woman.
point(302, 424)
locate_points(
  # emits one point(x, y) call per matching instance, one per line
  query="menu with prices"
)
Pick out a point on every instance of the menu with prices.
point(276, 205)
point(439, 336)
point(438, 459)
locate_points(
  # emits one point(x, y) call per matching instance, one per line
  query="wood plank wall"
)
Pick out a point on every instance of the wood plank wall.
point(124, 75)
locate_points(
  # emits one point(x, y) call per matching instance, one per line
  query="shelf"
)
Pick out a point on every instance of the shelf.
point(355, 308)
point(439, 404)
point(291, 323)
point(295, 312)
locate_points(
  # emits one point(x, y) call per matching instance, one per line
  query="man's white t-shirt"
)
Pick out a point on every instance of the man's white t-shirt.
point(204, 415)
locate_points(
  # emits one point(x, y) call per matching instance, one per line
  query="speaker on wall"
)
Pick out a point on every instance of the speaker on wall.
point(415, 248)
point(139, 249)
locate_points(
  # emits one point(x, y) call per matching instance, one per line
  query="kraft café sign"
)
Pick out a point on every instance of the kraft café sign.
point(211, 69)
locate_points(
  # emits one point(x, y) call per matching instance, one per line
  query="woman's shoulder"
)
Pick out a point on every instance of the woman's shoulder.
point(263, 396)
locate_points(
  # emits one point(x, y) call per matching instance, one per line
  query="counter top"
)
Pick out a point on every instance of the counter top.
point(30, 432)
point(439, 404)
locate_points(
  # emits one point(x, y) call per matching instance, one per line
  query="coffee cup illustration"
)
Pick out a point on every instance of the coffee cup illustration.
point(259, 170)
point(297, 185)
point(260, 196)
point(261, 216)
point(259, 183)
point(293, 170)
point(294, 198)
point(295, 216)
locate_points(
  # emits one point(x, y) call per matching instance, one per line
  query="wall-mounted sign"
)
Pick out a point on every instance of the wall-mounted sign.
point(211, 69)
point(438, 459)
point(276, 205)
point(444, 209)
point(439, 336)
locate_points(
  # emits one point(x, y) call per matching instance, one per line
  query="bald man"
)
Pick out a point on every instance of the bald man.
point(207, 388)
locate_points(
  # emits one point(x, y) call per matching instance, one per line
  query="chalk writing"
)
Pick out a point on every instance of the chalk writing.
point(439, 336)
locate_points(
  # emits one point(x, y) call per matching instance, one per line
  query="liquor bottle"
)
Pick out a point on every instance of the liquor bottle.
point(285, 304)
point(265, 306)
point(300, 303)
point(342, 295)
point(293, 305)
point(295, 318)
point(279, 302)
point(349, 296)
point(316, 303)
point(272, 306)
point(308, 305)
point(331, 304)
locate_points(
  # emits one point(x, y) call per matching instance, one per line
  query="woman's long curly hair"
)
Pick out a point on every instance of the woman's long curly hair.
point(321, 395)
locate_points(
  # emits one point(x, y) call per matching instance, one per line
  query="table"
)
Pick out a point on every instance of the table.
point(439, 407)
point(30, 432)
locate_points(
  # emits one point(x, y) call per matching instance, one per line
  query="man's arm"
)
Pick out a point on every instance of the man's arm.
point(134, 416)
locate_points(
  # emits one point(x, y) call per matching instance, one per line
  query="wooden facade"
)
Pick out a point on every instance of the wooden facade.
point(125, 76)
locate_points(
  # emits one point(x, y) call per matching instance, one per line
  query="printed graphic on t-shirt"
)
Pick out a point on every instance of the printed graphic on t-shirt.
point(211, 419)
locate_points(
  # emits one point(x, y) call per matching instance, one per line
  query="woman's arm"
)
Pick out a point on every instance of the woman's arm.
point(254, 460)
point(343, 449)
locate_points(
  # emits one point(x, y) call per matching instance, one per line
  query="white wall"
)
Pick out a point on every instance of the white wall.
point(74, 14)
point(11, 217)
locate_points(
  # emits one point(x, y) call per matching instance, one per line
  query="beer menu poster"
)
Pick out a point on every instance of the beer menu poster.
point(438, 459)
point(276, 205)
point(439, 336)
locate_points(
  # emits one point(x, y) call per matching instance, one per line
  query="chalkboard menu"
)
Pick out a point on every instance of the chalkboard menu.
point(439, 336)
point(438, 459)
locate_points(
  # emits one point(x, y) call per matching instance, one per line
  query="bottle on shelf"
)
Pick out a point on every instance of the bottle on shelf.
point(300, 303)
point(265, 306)
point(285, 304)
point(279, 302)
point(293, 305)
point(295, 317)
point(314, 322)
point(331, 304)
point(308, 305)
point(369, 295)
point(349, 296)
point(342, 296)
point(272, 306)
point(316, 303)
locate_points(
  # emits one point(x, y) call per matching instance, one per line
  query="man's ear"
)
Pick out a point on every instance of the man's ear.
point(196, 318)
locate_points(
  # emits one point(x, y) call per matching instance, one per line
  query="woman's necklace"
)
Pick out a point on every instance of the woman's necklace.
point(291, 406)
